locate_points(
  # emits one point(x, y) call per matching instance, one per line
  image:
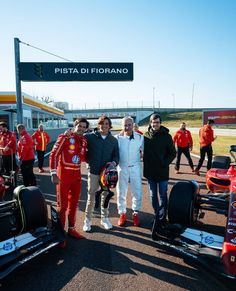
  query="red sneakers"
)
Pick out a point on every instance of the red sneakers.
point(122, 219)
point(74, 233)
point(135, 219)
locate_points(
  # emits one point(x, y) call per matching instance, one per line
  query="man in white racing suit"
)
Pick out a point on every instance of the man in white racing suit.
point(129, 170)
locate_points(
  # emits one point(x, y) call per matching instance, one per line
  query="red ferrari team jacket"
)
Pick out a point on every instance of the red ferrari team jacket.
point(206, 135)
point(8, 139)
point(25, 147)
point(41, 140)
point(67, 153)
point(183, 138)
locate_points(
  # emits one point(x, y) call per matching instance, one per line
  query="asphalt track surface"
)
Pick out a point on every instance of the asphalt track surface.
point(120, 259)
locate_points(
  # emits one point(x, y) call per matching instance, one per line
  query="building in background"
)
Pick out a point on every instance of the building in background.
point(35, 112)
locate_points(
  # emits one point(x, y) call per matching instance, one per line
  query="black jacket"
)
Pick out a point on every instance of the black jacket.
point(101, 151)
point(159, 152)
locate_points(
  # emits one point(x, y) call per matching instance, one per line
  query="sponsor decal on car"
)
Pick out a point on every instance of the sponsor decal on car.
point(209, 240)
point(233, 204)
point(231, 231)
point(233, 240)
point(7, 246)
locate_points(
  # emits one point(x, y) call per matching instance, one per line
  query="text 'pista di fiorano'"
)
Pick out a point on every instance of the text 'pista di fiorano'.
point(91, 71)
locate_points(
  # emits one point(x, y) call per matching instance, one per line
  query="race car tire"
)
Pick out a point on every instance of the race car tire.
point(32, 206)
point(182, 207)
point(221, 162)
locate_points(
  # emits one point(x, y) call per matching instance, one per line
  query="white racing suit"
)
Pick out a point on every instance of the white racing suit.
point(129, 170)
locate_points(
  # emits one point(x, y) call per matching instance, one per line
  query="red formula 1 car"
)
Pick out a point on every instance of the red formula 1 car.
point(184, 235)
point(218, 178)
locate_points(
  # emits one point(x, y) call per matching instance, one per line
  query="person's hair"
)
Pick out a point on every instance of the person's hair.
point(77, 121)
point(152, 117)
point(3, 124)
point(20, 127)
point(155, 116)
point(102, 118)
point(127, 118)
point(210, 121)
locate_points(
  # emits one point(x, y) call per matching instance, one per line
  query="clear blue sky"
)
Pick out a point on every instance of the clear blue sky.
point(172, 43)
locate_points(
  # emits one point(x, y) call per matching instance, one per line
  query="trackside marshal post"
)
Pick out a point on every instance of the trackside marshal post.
point(59, 72)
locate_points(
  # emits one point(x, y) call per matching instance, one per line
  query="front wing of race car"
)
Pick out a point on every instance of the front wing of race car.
point(20, 249)
point(200, 246)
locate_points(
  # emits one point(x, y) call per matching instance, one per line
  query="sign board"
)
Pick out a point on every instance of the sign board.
point(59, 72)
point(220, 117)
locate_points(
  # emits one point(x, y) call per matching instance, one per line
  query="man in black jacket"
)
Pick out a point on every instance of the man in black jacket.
point(102, 148)
point(159, 152)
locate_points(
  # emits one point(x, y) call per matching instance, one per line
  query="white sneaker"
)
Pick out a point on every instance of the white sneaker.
point(87, 225)
point(106, 223)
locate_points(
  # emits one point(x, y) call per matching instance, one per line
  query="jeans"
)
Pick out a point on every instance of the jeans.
point(159, 205)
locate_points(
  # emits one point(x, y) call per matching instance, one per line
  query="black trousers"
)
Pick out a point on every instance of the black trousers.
point(27, 173)
point(8, 164)
point(40, 155)
point(203, 151)
point(186, 152)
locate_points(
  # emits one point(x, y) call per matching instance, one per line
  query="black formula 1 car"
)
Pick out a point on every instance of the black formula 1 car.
point(25, 229)
point(189, 238)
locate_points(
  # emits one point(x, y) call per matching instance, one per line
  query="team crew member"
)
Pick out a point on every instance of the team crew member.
point(136, 128)
point(206, 138)
point(65, 159)
point(129, 170)
point(26, 156)
point(184, 141)
point(102, 149)
point(41, 139)
point(7, 149)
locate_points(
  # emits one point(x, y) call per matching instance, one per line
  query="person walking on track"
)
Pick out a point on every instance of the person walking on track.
point(184, 141)
point(206, 138)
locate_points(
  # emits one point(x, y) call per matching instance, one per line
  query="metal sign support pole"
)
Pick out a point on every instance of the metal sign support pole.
point(18, 82)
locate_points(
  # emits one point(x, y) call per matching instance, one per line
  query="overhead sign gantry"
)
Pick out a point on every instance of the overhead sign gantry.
point(61, 72)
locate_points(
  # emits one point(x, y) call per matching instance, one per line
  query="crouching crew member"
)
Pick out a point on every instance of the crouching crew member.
point(64, 162)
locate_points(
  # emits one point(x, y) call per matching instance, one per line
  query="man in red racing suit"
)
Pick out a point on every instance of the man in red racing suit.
point(64, 162)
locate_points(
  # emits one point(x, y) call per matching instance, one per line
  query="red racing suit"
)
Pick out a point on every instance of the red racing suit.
point(25, 147)
point(42, 139)
point(206, 135)
point(8, 139)
point(65, 160)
